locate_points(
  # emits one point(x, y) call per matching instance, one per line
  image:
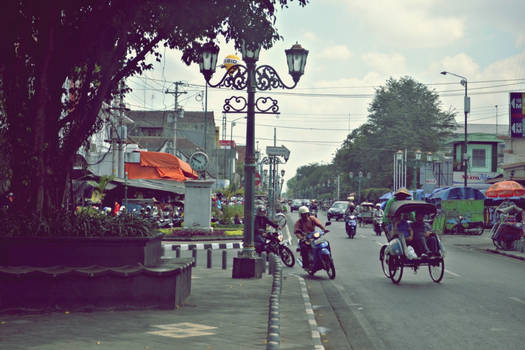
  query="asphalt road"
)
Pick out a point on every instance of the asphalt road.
point(479, 304)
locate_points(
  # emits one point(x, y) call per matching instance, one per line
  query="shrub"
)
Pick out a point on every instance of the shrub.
point(87, 222)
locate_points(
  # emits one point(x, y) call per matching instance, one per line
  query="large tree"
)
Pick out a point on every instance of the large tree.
point(86, 47)
point(404, 114)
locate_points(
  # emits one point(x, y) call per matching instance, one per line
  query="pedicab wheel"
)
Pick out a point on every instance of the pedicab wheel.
point(498, 244)
point(436, 269)
point(395, 269)
point(383, 257)
point(328, 264)
point(286, 256)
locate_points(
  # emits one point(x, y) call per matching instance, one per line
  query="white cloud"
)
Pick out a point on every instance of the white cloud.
point(336, 52)
point(461, 64)
point(387, 63)
point(310, 36)
point(410, 23)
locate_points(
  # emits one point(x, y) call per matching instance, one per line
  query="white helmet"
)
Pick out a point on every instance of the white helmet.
point(303, 210)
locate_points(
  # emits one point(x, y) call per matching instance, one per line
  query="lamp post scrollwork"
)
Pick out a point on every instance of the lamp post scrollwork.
point(249, 77)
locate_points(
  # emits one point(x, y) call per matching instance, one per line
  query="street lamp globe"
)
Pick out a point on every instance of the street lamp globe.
point(399, 155)
point(418, 155)
point(208, 61)
point(296, 59)
point(429, 156)
point(250, 51)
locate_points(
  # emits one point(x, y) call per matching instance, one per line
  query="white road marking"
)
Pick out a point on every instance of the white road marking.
point(452, 273)
point(517, 300)
point(183, 330)
point(316, 336)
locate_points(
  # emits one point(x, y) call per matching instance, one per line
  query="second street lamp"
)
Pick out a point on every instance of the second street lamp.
point(466, 105)
point(251, 77)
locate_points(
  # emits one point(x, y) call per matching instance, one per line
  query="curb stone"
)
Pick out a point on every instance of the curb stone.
point(203, 246)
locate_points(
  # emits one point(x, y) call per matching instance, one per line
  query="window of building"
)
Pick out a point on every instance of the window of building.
point(479, 158)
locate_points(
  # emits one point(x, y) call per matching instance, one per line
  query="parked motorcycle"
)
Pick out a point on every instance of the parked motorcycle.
point(275, 244)
point(351, 225)
point(319, 254)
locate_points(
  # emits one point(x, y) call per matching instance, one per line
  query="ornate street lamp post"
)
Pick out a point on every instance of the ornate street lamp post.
point(251, 77)
point(466, 105)
point(416, 167)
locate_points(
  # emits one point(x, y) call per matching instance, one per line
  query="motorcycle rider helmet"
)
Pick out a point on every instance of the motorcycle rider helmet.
point(261, 210)
point(378, 205)
point(304, 210)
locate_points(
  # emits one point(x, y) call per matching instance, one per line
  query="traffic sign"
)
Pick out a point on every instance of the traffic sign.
point(278, 151)
point(517, 114)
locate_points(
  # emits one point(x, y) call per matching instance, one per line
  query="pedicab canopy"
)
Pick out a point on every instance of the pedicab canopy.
point(400, 207)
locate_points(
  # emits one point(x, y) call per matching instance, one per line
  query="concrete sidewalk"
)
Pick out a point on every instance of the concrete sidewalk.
point(221, 313)
point(482, 243)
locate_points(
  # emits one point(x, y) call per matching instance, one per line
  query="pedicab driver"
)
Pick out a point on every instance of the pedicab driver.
point(305, 225)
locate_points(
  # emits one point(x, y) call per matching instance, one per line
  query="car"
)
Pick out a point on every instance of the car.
point(337, 210)
point(296, 203)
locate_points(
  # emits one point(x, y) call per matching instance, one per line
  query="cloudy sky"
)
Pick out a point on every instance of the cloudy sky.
point(354, 47)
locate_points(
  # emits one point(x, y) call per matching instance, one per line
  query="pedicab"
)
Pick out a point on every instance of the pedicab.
point(366, 213)
point(396, 255)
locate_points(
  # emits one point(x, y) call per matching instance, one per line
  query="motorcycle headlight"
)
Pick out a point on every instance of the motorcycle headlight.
point(280, 238)
point(317, 235)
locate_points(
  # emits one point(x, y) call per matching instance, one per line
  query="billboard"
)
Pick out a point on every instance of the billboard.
point(517, 114)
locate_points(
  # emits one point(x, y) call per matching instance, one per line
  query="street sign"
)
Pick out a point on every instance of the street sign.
point(278, 151)
point(517, 114)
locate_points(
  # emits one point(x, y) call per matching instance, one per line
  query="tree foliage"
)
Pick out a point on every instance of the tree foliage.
point(404, 114)
point(62, 60)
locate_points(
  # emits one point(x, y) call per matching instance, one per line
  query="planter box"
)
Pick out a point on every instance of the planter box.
point(165, 286)
point(80, 251)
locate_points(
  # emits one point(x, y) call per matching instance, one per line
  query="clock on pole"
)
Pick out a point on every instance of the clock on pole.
point(199, 161)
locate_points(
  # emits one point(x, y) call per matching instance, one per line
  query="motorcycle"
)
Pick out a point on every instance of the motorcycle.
point(351, 225)
point(275, 244)
point(319, 254)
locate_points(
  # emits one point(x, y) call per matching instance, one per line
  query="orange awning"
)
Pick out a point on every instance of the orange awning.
point(159, 165)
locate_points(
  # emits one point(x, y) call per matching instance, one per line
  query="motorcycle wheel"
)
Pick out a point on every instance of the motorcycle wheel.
point(328, 264)
point(286, 256)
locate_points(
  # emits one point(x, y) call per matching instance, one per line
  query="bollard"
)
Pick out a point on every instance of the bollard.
point(224, 259)
point(264, 257)
point(177, 252)
point(194, 256)
point(208, 258)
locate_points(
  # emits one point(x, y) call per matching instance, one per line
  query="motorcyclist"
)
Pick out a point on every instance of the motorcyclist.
point(305, 225)
point(314, 207)
point(378, 217)
point(261, 222)
point(350, 210)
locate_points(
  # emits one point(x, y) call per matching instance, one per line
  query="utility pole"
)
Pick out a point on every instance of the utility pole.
point(496, 119)
point(121, 136)
point(176, 93)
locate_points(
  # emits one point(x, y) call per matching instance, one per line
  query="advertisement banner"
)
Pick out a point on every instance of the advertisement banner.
point(516, 114)
point(459, 216)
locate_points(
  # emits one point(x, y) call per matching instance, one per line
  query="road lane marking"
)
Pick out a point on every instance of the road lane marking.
point(316, 335)
point(517, 300)
point(452, 273)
